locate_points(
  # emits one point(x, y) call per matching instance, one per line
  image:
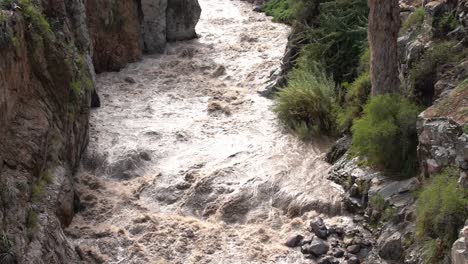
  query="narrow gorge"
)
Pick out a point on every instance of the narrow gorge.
point(229, 131)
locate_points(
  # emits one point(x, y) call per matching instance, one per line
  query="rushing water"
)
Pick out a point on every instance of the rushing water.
point(187, 163)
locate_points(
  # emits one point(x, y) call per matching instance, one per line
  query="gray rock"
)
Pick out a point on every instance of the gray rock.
point(328, 260)
point(353, 249)
point(440, 143)
point(339, 253)
point(294, 241)
point(389, 244)
point(353, 260)
point(318, 227)
point(181, 18)
point(154, 25)
point(459, 250)
point(318, 247)
point(338, 149)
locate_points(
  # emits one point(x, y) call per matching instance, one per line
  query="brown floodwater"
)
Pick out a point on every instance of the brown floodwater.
point(188, 164)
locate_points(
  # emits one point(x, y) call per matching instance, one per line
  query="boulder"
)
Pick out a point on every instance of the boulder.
point(318, 227)
point(390, 247)
point(353, 249)
point(318, 247)
point(154, 25)
point(294, 241)
point(181, 18)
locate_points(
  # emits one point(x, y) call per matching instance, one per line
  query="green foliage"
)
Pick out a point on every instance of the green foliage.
point(282, 10)
point(444, 24)
point(386, 134)
point(37, 21)
point(307, 104)
point(339, 37)
point(423, 73)
point(465, 128)
point(377, 202)
point(357, 94)
point(440, 212)
point(7, 252)
point(32, 224)
point(6, 4)
point(414, 21)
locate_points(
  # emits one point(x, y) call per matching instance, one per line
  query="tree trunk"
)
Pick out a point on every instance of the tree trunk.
point(384, 24)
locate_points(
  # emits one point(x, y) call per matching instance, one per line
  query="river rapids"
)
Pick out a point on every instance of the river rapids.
point(187, 163)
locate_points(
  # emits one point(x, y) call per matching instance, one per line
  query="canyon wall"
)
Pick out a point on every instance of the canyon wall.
point(48, 54)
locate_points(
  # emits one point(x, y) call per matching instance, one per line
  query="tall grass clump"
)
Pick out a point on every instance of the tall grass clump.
point(414, 20)
point(307, 104)
point(440, 213)
point(386, 135)
point(357, 94)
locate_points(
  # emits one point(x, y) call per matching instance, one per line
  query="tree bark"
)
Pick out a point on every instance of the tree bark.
point(384, 25)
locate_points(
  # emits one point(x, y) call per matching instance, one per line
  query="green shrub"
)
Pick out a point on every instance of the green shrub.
point(6, 4)
point(415, 20)
point(7, 253)
point(356, 97)
point(386, 134)
point(339, 38)
point(424, 72)
point(444, 24)
point(307, 104)
point(440, 212)
point(282, 10)
point(33, 15)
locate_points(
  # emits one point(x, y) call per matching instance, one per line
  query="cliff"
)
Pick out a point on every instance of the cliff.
point(49, 52)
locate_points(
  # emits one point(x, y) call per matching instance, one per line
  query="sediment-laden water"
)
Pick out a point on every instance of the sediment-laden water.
point(188, 164)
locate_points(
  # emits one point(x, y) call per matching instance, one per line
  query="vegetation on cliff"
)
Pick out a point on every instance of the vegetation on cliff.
point(440, 212)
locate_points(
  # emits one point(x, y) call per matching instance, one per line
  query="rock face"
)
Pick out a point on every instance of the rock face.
point(45, 95)
point(46, 92)
point(115, 32)
point(122, 30)
point(460, 247)
point(181, 18)
point(154, 25)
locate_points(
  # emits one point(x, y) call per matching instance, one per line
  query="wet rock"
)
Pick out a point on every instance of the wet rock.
point(318, 247)
point(336, 230)
point(221, 70)
point(353, 249)
point(353, 260)
point(338, 149)
point(154, 25)
point(389, 244)
point(181, 17)
point(129, 79)
point(294, 241)
point(257, 9)
point(339, 253)
point(318, 227)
